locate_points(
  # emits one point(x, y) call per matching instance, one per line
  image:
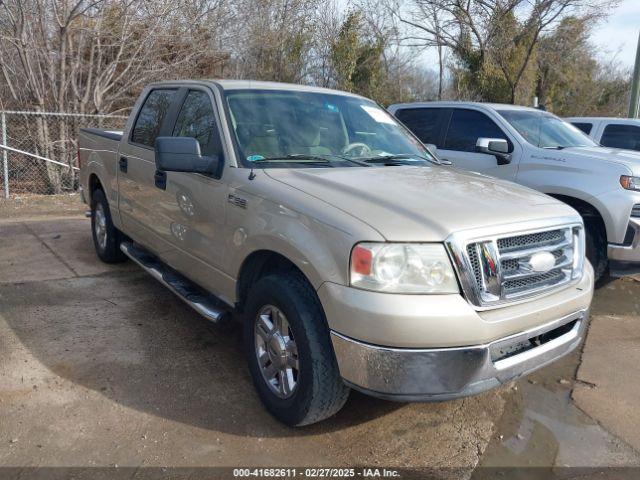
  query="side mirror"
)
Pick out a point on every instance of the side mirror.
point(433, 150)
point(497, 147)
point(182, 154)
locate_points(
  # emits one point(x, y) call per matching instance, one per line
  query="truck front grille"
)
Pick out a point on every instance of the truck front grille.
point(499, 269)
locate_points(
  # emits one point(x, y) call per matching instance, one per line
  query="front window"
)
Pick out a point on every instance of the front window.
point(295, 128)
point(545, 130)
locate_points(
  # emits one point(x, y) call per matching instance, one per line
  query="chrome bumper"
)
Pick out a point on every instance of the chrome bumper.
point(630, 253)
point(448, 373)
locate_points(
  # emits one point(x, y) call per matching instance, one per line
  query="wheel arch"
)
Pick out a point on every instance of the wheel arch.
point(257, 265)
point(586, 210)
point(93, 183)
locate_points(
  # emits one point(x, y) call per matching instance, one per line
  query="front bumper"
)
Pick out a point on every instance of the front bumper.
point(627, 253)
point(445, 373)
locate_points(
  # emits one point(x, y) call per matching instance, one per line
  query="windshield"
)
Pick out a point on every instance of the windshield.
point(294, 128)
point(545, 130)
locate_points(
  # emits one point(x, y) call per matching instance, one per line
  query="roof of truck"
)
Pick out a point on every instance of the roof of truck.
point(607, 119)
point(228, 84)
point(260, 85)
point(458, 104)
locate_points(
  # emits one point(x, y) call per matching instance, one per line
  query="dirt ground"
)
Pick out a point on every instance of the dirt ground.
point(41, 206)
point(102, 366)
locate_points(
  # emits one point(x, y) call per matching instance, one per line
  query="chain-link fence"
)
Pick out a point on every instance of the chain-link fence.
point(38, 150)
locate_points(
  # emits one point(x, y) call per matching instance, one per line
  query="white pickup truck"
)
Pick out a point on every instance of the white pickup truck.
point(539, 150)
point(609, 131)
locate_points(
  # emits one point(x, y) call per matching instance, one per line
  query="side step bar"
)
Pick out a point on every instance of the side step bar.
point(206, 304)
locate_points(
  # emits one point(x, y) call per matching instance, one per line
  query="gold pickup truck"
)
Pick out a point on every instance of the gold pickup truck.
point(353, 257)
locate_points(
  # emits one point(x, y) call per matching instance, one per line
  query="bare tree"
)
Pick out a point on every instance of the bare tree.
point(93, 56)
point(473, 29)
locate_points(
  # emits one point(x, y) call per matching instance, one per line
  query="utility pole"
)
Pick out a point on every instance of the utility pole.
point(634, 105)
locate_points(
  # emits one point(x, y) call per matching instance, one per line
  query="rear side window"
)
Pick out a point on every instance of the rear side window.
point(467, 126)
point(197, 120)
point(151, 116)
point(425, 123)
point(621, 136)
point(585, 127)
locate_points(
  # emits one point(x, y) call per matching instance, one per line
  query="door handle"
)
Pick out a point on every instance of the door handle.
point(160, 178)
point(124, 163)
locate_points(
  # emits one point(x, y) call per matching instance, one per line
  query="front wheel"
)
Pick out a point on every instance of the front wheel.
point(596, 246)
point(106, 237)
point(289, 351)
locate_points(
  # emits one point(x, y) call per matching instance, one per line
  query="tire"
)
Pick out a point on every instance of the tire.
point(319, 391)
point(106, 237)
point(596, 246)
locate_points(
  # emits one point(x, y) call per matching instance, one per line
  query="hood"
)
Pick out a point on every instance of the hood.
point(627, 158)
point(422, 203)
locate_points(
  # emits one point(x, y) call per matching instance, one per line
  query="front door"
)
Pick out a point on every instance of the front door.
point(194, 205)
point(459, 146)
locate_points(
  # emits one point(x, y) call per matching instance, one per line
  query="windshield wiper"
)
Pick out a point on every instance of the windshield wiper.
point(296, 157)
point(302, 158)
point(390, 158)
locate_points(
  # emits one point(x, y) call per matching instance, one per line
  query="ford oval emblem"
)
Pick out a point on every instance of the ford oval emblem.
point(542, 262)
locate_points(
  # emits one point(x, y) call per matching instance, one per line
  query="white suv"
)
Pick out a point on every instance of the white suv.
point(542, 151)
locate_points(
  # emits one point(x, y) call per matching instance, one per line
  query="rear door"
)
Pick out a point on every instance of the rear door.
point(194, 205)
point(138, 196)
point(465, 127)
point(428, 124)
point(584, 126)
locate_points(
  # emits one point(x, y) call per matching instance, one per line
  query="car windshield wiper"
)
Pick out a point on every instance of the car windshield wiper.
point(390, 158)
point(297, 158)
point(556, 147)
point(303, 158)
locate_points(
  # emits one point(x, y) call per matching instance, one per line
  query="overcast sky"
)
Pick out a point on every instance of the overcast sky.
point(619, 34)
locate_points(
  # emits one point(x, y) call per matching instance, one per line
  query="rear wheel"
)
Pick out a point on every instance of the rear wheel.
point(106, 237)
point(289, 351)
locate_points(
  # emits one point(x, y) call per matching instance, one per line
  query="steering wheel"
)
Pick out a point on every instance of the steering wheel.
point(364, 149)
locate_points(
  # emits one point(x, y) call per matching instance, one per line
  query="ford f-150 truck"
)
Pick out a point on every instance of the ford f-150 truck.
point(352, 256)
point(539, 150)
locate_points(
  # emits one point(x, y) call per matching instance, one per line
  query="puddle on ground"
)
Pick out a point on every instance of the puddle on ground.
point(541, 427)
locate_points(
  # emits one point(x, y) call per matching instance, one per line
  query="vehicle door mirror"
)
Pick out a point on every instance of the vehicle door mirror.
point(182, 154)
point(497, 147)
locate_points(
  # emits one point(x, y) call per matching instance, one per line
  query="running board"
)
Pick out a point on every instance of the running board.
point(206, 304)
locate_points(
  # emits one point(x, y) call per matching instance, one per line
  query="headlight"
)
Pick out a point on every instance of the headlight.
point(630, 183)
point(402, 268)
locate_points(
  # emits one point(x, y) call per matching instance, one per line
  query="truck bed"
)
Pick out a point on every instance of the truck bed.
point(110, 134)
point(98, 152)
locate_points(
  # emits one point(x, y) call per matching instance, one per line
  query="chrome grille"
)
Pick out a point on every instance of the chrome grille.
point(475, 263)
point(635, 211)
point(517, 285)
point(529, 240)
point(498, 269)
